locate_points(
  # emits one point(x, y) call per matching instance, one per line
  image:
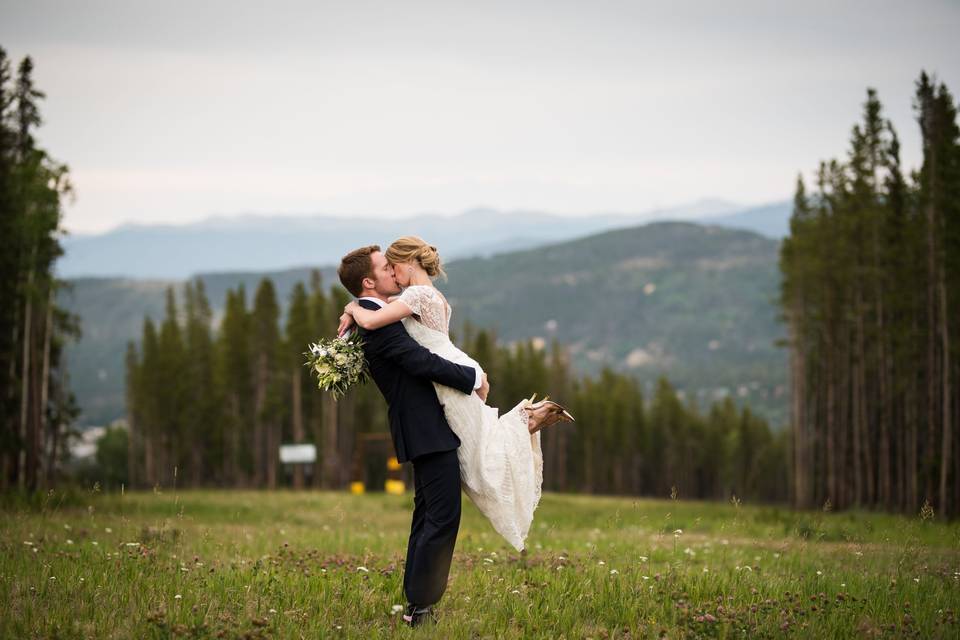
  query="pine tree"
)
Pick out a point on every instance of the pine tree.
point(134, 398)
point(173, 394)
point(318, 416)
point(10, 247)
point(148, 407)
point(203, 421)
point(337, 416)
point(234, 376)
point(939, 188)
point(554, 441)
point(299, 334)
point(32, 186)
point(265, 340)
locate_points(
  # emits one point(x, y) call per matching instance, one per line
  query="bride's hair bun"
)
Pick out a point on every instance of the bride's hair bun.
point(414, 249)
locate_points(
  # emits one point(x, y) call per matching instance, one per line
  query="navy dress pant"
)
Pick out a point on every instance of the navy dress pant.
point(433, 532)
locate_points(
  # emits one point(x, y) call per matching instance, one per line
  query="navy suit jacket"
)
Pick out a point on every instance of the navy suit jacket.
point(404, 372)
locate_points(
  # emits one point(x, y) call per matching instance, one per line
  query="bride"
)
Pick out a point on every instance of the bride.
point(501, 463)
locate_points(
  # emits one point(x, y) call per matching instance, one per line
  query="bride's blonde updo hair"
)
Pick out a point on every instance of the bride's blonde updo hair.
point(414, 249)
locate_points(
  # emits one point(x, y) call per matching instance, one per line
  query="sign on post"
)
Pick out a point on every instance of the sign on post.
point(298, 453)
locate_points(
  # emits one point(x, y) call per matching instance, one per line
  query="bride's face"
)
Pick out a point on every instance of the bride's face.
point(402, 272)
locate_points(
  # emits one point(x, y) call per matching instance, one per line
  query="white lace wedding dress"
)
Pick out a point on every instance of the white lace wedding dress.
point(501, 463)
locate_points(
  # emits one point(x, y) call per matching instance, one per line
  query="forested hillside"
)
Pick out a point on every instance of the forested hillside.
point(694, 303)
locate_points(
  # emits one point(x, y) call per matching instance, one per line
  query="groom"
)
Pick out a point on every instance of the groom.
point(404, 372)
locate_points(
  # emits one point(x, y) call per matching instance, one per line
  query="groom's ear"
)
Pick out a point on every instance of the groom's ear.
point(369, 283)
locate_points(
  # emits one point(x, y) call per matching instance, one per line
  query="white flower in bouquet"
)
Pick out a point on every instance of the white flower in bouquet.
point(339, 364)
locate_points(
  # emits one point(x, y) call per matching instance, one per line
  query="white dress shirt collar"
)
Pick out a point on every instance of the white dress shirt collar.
point(380, 303)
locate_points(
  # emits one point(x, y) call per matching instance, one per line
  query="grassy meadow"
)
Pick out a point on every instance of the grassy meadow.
point(224, 564)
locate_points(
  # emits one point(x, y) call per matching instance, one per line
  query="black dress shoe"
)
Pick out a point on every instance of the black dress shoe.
point(418, 616)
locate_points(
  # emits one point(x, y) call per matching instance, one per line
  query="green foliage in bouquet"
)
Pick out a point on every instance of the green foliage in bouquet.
point(338, 363)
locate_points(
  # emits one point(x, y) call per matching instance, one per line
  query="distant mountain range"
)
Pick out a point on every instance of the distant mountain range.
point(269, 243)
point(770, 220)
point(692, 302)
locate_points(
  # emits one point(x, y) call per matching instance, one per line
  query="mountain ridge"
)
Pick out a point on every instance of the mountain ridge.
point(692, 302)
point(265, 242)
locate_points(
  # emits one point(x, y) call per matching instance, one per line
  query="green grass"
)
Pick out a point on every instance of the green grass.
point(316, 565)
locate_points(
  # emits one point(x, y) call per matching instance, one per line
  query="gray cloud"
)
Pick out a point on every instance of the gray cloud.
point(176, 111)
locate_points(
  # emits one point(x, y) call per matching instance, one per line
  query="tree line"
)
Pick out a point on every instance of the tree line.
point(36, 406)
point(210, 408)
point(871, 299)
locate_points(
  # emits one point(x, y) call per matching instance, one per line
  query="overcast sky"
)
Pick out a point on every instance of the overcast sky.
point(176, 111)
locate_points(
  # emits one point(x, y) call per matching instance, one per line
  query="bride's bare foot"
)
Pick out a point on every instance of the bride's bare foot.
point(544, 414)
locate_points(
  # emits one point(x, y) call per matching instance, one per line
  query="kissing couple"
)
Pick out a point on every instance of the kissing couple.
point(439, 420)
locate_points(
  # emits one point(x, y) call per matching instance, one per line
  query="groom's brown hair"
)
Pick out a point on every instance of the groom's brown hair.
point(354, 267)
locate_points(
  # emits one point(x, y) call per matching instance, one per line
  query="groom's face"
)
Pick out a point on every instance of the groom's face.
point(384, 281)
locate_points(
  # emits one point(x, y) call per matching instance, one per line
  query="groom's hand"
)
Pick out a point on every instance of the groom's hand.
point(484, 388)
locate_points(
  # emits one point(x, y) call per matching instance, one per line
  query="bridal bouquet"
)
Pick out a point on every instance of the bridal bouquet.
point(338, 363)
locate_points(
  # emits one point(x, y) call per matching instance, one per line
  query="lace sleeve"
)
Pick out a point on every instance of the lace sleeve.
point(427, 304)
point(413, 298)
